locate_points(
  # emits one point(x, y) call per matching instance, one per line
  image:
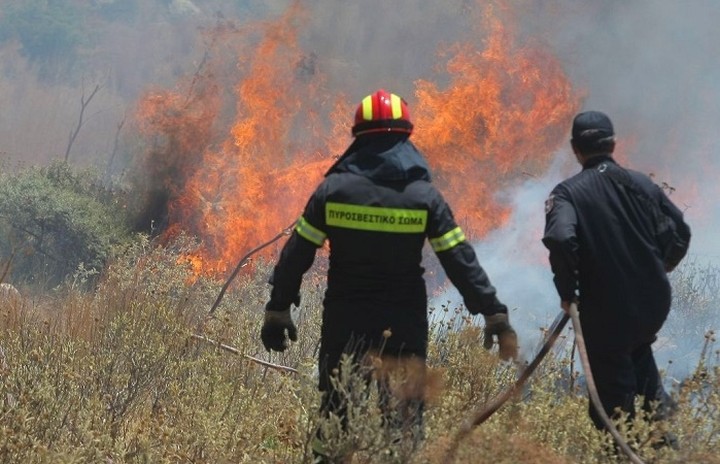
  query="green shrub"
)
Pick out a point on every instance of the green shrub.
point(56, 221)
point(50, 31)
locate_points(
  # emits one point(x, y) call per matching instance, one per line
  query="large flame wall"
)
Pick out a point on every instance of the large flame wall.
point(238, 160)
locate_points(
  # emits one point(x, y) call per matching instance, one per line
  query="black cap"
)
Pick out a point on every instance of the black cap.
point(592, 125)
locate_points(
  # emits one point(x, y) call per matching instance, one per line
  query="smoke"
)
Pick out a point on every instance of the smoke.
point(516, 261)
point(376, 44)
point(649, 66)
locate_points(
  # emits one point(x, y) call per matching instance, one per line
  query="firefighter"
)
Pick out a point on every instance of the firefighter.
point(376, 206)
point(613, 235)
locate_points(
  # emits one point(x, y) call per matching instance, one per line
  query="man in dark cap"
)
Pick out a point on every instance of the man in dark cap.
point(613, 235)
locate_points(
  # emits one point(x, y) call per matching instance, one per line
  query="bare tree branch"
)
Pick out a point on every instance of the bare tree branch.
point(116, 143)
point(83, 105)
point(234, 350)
point(286, 231)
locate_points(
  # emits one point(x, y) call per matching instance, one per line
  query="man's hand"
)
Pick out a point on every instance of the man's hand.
point(273, 330)
point(499, 325)
point(565, 305)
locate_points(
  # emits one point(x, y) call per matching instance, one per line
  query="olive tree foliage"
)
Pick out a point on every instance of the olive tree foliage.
point(49, 32)
point(55, 221)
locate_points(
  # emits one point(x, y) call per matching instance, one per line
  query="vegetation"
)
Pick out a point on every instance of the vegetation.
point(55, 221)
point(114, 375)
point(49, 32)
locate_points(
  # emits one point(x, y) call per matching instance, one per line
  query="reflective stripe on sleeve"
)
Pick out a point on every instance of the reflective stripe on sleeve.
point(376, 218)
point(310, 233)
point(447, 241)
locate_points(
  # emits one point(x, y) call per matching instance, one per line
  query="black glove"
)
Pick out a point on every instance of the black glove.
point(499, 325)
point(273, 330)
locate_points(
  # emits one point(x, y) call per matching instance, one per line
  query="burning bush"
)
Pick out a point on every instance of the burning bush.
point(234, 152)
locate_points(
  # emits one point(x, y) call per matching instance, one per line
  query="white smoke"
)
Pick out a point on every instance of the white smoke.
point(648, 64)
point(516, 262)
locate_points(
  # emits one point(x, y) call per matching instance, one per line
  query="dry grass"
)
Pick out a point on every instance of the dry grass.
point(113, 375)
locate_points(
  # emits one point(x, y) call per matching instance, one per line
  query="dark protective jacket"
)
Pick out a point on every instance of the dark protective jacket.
point(607, 231)
point(376, 207)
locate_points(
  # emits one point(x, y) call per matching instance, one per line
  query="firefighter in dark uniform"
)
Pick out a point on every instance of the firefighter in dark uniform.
point(613, 235)
point(376, 207)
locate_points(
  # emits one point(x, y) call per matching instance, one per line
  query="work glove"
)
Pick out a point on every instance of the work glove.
point(498, 325)
point(273, 332)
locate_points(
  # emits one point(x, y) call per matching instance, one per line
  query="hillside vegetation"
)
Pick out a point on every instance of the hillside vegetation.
point(115, 374)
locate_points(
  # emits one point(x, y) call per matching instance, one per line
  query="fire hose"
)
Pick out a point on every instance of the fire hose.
point(244, 261)
point(592, 388)
point(481, 416)
point(234, 350)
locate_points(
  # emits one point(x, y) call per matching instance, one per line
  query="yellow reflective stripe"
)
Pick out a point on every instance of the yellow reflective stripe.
point(367, 108)
point(307, 231)
point(396, 105)
point(447, 241)
point(375, 218)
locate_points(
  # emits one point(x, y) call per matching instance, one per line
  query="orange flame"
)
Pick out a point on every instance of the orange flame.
point(503, 113)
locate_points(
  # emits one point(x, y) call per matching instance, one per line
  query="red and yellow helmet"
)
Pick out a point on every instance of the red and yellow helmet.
point(382, 112)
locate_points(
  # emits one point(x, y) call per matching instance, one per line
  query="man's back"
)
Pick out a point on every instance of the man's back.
point(623, 286)
point(387, 250)
point(612, 236)
point(377, 206)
